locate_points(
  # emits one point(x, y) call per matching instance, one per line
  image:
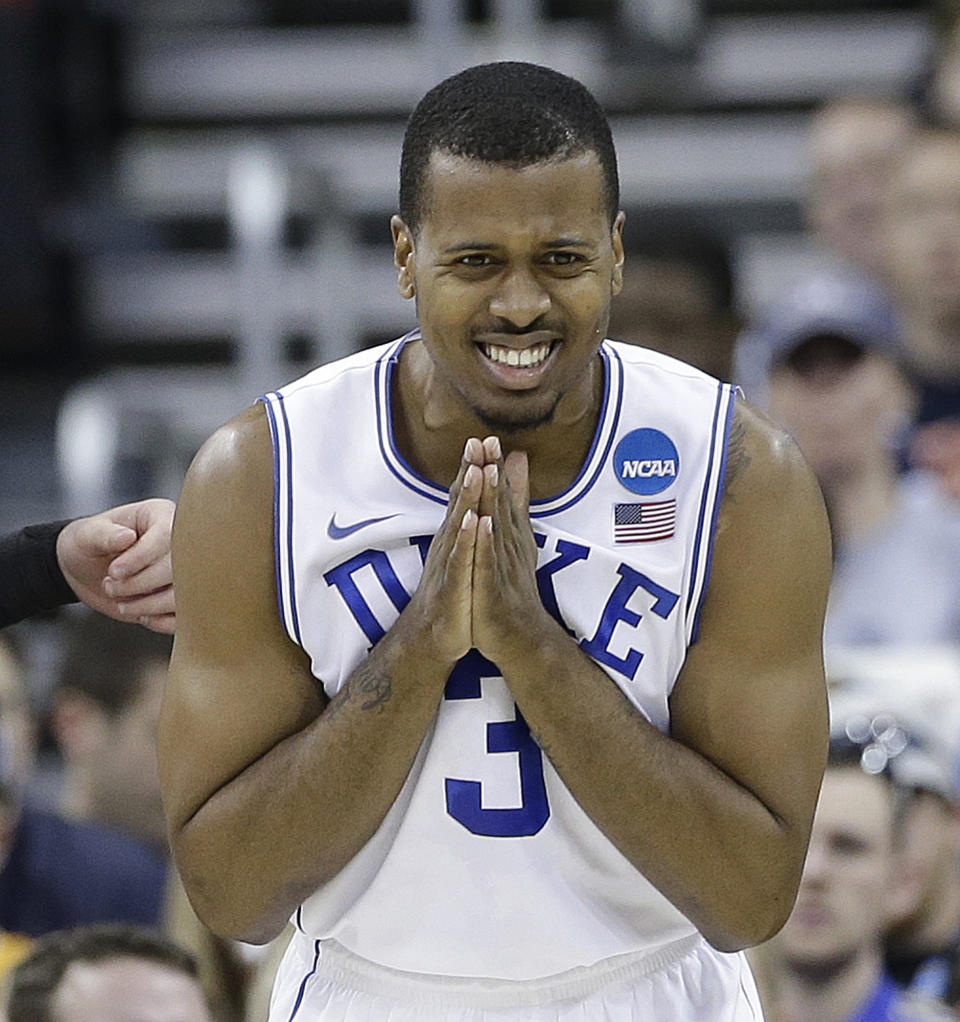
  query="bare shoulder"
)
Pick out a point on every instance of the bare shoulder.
point(223, 537)
point(760, 456)
point(239, 453)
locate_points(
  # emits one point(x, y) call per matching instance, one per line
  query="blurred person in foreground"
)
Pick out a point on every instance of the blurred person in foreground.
point(922, 251)
point(472, 568)
point(106, 974)
point(835, 380)
point(56, 872)
point(826, 964)
point(117, 562)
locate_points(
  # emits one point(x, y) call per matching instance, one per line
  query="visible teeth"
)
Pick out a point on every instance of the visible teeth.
point(511, 357)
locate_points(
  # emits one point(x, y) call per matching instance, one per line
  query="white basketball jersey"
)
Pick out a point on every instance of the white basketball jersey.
point(486, 865)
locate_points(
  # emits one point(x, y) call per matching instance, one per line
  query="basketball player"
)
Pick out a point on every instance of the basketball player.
point(498, 663)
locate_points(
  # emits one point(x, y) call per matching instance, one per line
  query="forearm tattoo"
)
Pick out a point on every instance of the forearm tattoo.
point(368, 685)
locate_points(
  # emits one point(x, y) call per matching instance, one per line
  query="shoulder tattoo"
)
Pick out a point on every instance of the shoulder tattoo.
point(737, 456)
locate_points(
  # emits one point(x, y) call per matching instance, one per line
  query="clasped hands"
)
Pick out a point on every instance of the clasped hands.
point(478, 588)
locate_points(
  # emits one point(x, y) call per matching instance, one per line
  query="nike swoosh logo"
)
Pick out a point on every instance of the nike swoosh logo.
point(335, 531)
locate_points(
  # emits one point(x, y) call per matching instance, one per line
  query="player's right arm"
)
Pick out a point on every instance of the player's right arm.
point(269, 789)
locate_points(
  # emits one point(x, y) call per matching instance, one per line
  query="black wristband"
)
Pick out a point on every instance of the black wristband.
point(30, 577)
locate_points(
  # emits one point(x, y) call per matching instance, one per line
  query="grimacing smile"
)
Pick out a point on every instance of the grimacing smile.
point(523, 357)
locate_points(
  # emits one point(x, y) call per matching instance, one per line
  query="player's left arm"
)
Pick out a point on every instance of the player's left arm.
point(717, 814)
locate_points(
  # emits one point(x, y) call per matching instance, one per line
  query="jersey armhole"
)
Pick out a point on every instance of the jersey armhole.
point(727, 395)
point(283, 513)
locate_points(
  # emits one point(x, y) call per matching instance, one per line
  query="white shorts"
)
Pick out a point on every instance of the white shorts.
point(687, 981)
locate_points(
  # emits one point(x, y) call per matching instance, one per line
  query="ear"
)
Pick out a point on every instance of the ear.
point(904, 888)
point(616, 239)
point(403, 252)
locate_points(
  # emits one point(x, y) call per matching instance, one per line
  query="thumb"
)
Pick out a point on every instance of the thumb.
point(98, 537)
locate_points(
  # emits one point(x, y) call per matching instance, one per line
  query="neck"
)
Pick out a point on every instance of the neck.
point(76, 799)
point(830, 991)
point(859, 500)
point(431, 427)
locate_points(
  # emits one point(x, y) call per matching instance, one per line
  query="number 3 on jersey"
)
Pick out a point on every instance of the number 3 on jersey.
point(464, 801)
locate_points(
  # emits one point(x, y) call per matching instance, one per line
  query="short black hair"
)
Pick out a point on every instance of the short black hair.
point(105, 660)
point(34, 981)
point(509, 113)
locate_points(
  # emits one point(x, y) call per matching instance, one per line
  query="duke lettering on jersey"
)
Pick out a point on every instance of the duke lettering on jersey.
point(616, 610)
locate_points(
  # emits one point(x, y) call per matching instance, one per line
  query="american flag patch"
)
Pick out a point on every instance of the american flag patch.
point(643, 523)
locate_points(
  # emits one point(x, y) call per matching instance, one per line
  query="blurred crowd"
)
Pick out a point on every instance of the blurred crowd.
point(860, 362)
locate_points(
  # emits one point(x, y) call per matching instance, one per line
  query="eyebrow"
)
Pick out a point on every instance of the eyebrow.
point(486, 246)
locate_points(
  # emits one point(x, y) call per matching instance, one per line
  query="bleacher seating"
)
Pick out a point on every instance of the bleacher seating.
point(714, 130)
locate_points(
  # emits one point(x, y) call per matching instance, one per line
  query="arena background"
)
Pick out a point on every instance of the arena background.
point(194, 195)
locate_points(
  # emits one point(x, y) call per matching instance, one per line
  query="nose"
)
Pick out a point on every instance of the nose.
point(815, 867)
point(519, 298)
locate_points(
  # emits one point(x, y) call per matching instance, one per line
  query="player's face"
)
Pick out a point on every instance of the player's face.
point(513, 271)
point(842, 905)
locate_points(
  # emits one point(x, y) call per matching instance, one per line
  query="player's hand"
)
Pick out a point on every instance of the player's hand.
point(507, 609)
point(118, 562)
point(439, 613)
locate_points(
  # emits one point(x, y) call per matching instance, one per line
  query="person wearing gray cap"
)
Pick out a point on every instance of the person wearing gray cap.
point(831, 368)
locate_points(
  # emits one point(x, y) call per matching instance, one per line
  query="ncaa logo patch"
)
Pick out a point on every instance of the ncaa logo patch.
point(646, 461)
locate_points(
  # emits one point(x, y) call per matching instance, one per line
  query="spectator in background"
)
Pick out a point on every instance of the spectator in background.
point(55, 872)
point(923, 948)
point(106, 974)
point(835, 382)
point(922, 232)
point(105, 714)
point(826, 964)
point(677, 298)
point(853, 145)
point(909, 697)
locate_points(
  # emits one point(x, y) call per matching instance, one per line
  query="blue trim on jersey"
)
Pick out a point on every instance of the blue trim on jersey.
point(601, 424)
point(303, 982)
point(272, 408)
point(384, 371)
point(724, 387)
point(383, 376)
point(271, 419)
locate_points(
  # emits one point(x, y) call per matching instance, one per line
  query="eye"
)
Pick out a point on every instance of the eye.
point(475, 260)
point(848, 845)
point(562, 258)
